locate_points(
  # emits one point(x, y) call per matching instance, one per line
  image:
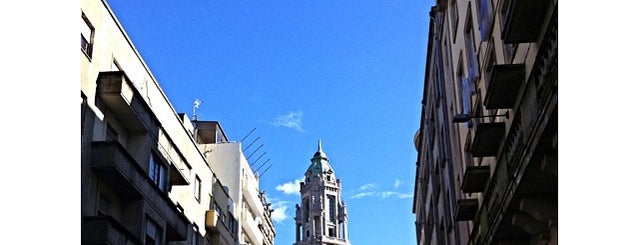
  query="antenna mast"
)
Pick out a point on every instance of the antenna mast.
point(196, 104)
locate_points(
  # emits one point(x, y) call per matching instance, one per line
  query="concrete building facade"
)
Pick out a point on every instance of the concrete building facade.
point(144, 179)
point(487, 143)
point(322, 217)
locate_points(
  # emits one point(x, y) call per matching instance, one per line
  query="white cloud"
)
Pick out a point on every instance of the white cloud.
point(291, 120)
point(279, 211)
point(290, 187)
point(396, 184)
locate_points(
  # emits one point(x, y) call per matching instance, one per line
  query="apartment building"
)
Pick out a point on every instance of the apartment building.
point(249, 211)
point(487, 143)
point(144, 179)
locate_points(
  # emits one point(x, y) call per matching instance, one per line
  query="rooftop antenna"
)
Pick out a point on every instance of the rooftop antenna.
point(254, 152)
point(251, 143)
point(258, 158)
point(262, 164)
point(247, 135)
point(196, 104)
point(269, 166)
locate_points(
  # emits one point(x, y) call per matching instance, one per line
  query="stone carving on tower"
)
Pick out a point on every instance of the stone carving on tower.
point(321, 218)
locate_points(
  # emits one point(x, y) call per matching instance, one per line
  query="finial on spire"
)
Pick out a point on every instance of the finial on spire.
point(319, 145)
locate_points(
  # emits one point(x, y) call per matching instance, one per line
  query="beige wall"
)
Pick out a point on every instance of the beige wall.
point(173, 141)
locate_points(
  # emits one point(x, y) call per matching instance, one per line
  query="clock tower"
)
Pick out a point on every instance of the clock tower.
point(321, 218)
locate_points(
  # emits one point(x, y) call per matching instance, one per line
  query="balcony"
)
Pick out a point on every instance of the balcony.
point(503, 86)
point(487, 138)
point(212, 221)
point(251, 229)
point(106, 230)
point(465, 209)
point(118, 169)
point(523, 20)
point(475, 179)
point(178, 175)
point(121, 97)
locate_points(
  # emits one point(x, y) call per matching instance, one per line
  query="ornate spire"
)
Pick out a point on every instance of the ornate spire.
point(319, 145)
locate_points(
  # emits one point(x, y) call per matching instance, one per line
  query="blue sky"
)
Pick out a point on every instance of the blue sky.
point(347, 72)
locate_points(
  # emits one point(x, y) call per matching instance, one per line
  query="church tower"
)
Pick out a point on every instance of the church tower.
point(321, 218)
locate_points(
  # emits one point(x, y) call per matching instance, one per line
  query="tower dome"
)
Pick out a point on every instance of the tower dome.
point(319, 162)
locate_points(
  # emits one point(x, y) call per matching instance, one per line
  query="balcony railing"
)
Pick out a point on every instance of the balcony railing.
point(106, 230)
point(119, 95)
point(524, 19)
point(466, 209)
point(120, 171)
point(475, 179)
point(504, 84)
point(487, 138)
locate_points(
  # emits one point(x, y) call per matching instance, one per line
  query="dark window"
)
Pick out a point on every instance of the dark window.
point(157, 172)
point(485, 11)
point(306, 209)
point(86, 36)
point(331, 208)
point(509, 49)
point(453, 18)
point(471, 56)
point(83, 112)
point(153, 233)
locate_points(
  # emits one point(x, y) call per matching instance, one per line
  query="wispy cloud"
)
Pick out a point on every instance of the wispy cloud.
point(373, 190)
point(387, 194)
point(291, 120)
point(290, 187)
point(396, 184)
point(362, 194)
point(368, 186)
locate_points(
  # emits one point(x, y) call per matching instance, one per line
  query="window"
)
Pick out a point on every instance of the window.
point(463, 92)
point(306, 209)
point(485, 13)
point(83, 112)
point(453, 18)
point(86, 36)
point(509, 49)
point(331, 207)
point(198, 188)
point(157, 172)
point(469, 38)
point(153, 233)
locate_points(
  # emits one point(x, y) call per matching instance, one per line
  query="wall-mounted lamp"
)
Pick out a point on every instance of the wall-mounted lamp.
point(460, 118)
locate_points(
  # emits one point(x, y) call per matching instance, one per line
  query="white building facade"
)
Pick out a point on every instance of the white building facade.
point(250, 211)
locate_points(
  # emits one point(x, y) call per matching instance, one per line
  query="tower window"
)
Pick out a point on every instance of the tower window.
point(331, 208)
